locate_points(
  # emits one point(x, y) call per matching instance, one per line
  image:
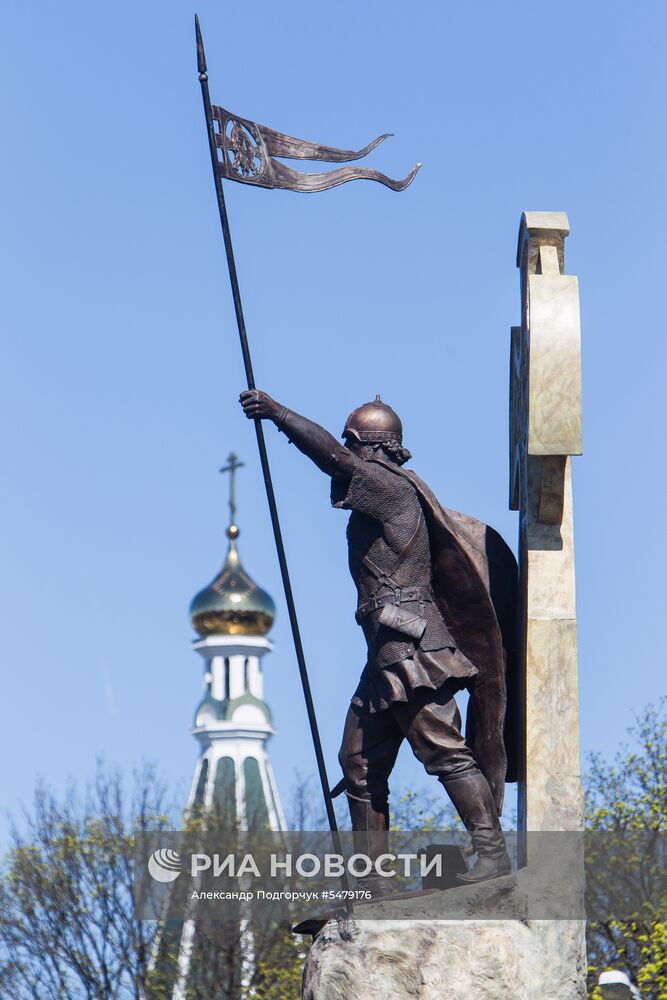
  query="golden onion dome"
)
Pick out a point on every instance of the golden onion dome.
point(232, 603)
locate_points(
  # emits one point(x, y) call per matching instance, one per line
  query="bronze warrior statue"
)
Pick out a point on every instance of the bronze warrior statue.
point(437, 593)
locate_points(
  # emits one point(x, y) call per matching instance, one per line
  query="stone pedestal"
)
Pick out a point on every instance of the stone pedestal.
point(448, 960)
point(495, 949)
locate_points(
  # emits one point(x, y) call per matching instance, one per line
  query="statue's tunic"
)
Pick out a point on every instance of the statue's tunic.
point(390, 562)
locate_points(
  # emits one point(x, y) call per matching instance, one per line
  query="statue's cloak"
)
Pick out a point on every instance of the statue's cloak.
point(475, 582)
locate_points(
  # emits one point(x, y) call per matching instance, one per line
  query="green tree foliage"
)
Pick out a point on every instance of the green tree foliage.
point(627, 802)
point(239, 950)
point(67, 928)
point(416, 809)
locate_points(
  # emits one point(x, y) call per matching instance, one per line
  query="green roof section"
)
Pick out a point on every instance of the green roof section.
point(224, 792)
point(248, 699)
point(217, 706)
point(257, 813)
point(222, 709)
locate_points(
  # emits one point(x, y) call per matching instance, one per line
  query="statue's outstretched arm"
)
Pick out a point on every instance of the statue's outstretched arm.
point(314, 441)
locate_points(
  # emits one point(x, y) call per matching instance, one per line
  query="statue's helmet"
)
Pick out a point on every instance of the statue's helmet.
point(374, 423)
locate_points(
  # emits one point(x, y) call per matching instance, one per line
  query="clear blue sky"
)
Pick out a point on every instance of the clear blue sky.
point(121, 369)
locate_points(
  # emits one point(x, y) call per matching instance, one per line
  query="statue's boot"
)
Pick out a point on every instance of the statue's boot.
point(473, 801)
point(370, 827)
point(492, 859)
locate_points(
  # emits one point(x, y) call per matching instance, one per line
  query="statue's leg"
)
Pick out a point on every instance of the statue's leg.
point(432, 726)
point(367, 755)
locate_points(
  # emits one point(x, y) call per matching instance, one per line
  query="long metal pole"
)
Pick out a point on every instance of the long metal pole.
point(261, 444)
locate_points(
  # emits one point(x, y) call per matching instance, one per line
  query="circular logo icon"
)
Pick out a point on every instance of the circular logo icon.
point(164, 865)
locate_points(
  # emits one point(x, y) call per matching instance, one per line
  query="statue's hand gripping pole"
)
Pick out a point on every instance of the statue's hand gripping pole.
point(261, 444)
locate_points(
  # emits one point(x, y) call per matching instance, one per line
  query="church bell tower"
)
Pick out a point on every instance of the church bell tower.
point(233, 780)
point(232, 617)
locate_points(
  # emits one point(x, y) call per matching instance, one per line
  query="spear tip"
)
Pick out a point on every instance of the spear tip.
point(201, 58)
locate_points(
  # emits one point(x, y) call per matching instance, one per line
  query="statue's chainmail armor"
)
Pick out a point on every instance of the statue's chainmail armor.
point(386, 527)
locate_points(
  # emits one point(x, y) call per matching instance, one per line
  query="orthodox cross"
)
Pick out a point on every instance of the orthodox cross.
point(232, 465)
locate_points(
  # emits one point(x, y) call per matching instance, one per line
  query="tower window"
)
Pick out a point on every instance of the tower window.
point(226, 694)
point(246, 674)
